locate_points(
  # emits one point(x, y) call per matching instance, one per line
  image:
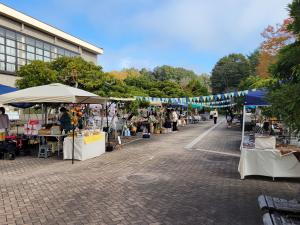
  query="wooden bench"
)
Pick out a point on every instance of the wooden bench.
point(280, 219)
point(272, 204)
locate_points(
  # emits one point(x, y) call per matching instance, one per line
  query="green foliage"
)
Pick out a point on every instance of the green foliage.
point(253, 59)
point(75, 71)
point(285, 94)
point(163, 73)
point(133, 107)
point(228, 72)
point(285, 102)
point(35, 74)
point(143, 104)
point(252, 82)
point(287, 66)
point(294, 9)
point(164, 81)
point(196, 87)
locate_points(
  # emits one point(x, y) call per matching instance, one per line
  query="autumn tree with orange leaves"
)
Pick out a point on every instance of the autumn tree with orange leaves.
point(274, 39)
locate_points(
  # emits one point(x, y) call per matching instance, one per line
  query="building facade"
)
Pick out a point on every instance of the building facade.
point(23, 39)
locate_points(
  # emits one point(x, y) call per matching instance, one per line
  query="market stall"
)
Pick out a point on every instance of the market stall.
point(264, 150)
point(56, 94)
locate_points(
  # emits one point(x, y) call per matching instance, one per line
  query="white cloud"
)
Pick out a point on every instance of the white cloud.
point(143, 33)
point(210, 25)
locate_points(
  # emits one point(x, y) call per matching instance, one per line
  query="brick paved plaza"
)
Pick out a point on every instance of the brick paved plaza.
point(151, 182)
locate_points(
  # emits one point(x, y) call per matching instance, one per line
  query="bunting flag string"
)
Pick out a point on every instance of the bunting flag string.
point(220, 98)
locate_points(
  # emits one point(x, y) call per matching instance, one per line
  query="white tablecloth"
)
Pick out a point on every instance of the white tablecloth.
point(262, 142)
point(268, 163)
point(83, 151)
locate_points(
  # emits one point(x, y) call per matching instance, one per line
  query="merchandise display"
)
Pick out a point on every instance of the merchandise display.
point(264, 148)
point(86, 147)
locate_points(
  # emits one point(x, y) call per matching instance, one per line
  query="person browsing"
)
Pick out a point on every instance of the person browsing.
point(65, 120)
point(4, 120)
point(216, 114)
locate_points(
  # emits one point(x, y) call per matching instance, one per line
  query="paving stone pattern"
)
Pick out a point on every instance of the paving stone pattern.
point(151, 182)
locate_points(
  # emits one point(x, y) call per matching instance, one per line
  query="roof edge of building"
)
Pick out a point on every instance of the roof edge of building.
point(23, 18)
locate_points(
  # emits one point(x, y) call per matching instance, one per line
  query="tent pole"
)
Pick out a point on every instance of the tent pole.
point(43, 119)
point(73, 140)
point(243, 127)
point(46, 114)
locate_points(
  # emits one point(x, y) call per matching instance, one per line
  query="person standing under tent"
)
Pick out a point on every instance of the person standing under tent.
point(65, 120)
point(4, 120)
point(216, 114)
point(174, 116)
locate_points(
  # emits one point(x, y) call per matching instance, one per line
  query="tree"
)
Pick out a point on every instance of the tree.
point(287, 70)
point(172, 73)
point(76, 72)
point(73, 71)
point(274, 39)
point(35, 74)
point(196, 87)
point(252, 82)
point(253, 59)
point(228, 72)
point(123, 74)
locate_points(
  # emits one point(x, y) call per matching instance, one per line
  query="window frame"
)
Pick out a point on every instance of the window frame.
point(21, 43)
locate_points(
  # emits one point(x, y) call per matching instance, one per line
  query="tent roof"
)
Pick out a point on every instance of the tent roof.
point(121, 99)
point(51, 93)
point(256, 98)
point(6, 89)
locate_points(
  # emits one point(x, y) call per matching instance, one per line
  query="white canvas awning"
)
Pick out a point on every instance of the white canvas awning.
point(52, 93)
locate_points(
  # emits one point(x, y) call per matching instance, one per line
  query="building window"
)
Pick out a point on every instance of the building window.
point(2, 31)
point(21, 54)
point(11, 59)
point(10, 67)
point(53, 55)
point(30, 56)
point(46, 59)
point(39, 44)
point(18, 49)
point(47, 47)
point(54, 49)
point(2, 49)
point(39, 51)
point(2, 66)
point(61, 51)
point(30, 41)
point(21, 38)
point(11, 34)
point(21, 46)
point(21, 62)
point(39, 57)
point(10, 43)
point(30, 48)
point(47, 54)
point(10, 51)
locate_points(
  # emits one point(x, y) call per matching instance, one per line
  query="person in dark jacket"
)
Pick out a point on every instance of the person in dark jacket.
point(65, 120)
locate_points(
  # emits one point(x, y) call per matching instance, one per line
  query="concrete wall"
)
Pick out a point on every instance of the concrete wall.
point(8, 80)
point(88, 56)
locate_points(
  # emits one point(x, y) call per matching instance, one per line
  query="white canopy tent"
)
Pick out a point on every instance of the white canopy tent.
point(52, 93)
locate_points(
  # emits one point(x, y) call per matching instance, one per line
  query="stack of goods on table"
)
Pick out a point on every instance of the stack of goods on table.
point(290, 149)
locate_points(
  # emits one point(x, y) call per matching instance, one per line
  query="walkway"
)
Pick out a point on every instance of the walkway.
point(151, 182)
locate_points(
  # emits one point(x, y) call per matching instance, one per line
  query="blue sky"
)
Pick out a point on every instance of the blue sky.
point(146, 33)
